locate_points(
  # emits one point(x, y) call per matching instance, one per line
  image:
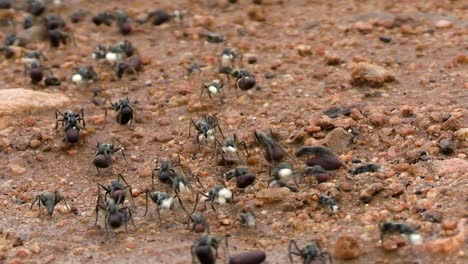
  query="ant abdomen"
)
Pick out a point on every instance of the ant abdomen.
point(124, 116)
point(101, 161)
point(72, 135)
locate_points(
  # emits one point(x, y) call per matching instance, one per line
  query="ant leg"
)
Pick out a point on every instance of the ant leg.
point(91, 164)
point(82, 117)
point(146, 207)
point(131, 218)
point(214, 209)
point(123, 154)
point(159, 214)
point(35, 200)
point(107, 227)
point(57, 112)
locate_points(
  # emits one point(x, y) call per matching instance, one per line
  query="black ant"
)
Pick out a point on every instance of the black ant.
point(71, 124)
point(328, 201)
point(116, 190)
point(49, 201)
point(119, 51)
point(162, 200)
point(84, 75)
point(387, 228)
point(309, 254)
point(247, 218)
point(214, 87)
point(319, 155)
point(244, 79)
point(115, 216)
point(206, 129)
point(34, 67)
point(103, 18)
point(218, 195)
point(244, 177)
point(166, 172)
point(58, 37)
point(125, 111)
point(320, 174)
point(282, 172)
point(199, 224)
point(103, 156)
point(99, 52)
point(230, 146)
point(133, 65)
point(203, 248)
point(273, 151)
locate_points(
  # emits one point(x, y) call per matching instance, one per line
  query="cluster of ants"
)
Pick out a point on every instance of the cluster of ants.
point(111, 198)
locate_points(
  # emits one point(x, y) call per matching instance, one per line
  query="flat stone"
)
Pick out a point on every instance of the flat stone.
point(369, 74)
point(272, 195)
point(19, 100)
point(338, 140)
point(346, 248)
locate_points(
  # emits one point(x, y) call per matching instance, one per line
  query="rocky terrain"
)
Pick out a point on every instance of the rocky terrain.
point(376, 82)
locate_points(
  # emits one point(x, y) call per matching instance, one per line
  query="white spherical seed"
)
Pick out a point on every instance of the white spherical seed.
point(113, 57)
point(225, 193)
point(77, 78)
point(212, 89)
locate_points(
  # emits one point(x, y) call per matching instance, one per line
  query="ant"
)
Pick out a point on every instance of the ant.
point(247, 218)
point(228, 58)
point(84, 75)
point(218, 195)
point(214, 87)
point(206, 128)
point(133, 65)
point(230, 145)
point(34, 67)
point(244, 79)
point(244, 178)
point(58, 37)
point(328, 201)
point(116, 190)
point(320, 174)
point(114, 216)
point(49, 201)
point(125, 111)
point(71, 124)
point(199, 224)
point(321, 156)
point(162, 200)
point(120, 51)
point(281, 174)
point(204, 246)
point(387, 228)
point(309, 253)
point(99, 52)
point(273, 151)
point(165, 173)
point(103, 156)
point(103, 18)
